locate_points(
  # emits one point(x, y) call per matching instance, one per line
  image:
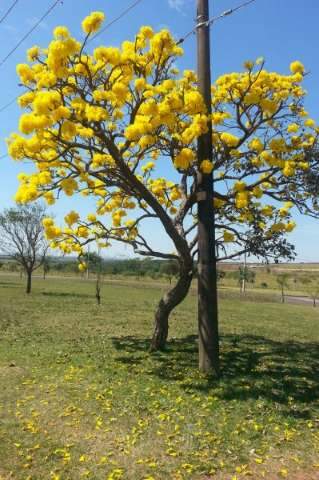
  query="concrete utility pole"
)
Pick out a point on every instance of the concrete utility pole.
point(207, 274)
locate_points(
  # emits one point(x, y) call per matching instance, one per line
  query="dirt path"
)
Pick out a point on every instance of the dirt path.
point(300, 300)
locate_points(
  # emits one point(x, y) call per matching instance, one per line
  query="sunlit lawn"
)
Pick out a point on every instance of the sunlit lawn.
point(81, 397)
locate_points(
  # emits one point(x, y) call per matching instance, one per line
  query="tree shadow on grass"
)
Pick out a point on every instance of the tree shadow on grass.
point(10, 284)
point(67, 294)
point(253, 367)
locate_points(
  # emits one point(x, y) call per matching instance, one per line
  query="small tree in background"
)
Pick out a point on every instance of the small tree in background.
point(170, 269)
point(46, 267)
point(93, 262)
point(220, 275)
point(312, 288)
point(283, 282)
point(244, 275)
point(98, 283)
point(22, 237)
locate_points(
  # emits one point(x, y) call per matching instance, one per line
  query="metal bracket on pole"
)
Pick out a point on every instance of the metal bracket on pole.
point(202, 24)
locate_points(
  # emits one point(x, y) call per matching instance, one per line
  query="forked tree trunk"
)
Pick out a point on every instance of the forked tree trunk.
point(167, 303)
point(29, 280)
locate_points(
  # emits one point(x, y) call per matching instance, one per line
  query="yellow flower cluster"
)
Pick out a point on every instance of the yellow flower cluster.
point(93, 22)
point(206, 166)
point(184, 159)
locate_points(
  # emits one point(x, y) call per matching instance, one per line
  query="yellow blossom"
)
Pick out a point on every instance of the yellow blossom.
point(297, 67)
point(206, 166)
point(93, 22)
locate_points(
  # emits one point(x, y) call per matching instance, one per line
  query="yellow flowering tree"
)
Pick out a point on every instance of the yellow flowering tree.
point(105, 124)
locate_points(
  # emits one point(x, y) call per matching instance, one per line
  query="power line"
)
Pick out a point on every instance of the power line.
point(54, 4)
point(116, 19)
point(8, 11)
point(212, 20)
point(7, 105)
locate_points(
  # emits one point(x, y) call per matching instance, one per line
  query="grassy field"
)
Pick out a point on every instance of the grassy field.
point(266, 278)
point(81, 396)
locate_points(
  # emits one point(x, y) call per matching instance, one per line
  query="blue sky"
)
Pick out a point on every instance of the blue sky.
point(279, 30)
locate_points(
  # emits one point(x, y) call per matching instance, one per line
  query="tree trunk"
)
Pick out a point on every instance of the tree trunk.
point(98, 291)
point(29, 278)
point(167, 303)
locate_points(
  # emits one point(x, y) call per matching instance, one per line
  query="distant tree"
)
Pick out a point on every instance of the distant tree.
point(220, 275)
point(22, 237)
point(13, 266)
point(170, 269)
point(141, 274)
point(93, 262)
point(312, 288)
point(283, 282)
point(59, 266)
point(295, 278)
point(98, 282)
point(244, 275)
point(46, 267)
point(115, 270)
point(305, 280)
point(313, 291)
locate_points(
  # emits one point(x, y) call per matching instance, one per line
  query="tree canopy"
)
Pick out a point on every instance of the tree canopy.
point(103, 124)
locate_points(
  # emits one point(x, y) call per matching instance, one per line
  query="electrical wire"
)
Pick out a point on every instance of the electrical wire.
point(116, 19)
point(8, 11)
point(54, 4)
point(7, 105)
point(212, 20)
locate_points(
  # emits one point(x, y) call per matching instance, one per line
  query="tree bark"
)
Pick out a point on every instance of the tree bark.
point(29, 280)
point(167, 303)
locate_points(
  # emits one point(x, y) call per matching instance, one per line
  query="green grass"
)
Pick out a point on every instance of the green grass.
point(81, 397)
